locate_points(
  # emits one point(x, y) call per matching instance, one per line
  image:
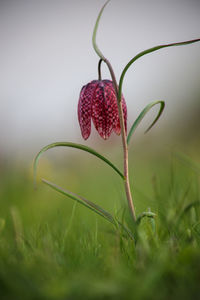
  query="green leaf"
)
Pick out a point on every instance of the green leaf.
point(97, 209)
point(147, 52)
point(92, 206)
point(142, 115)
point(147, 214)
point(96, 48)
point(77, 146)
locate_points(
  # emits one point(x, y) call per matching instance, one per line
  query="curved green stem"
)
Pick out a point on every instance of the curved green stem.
point(96, 48)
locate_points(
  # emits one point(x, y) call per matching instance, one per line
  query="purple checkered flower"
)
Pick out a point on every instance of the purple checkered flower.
point(98, 102)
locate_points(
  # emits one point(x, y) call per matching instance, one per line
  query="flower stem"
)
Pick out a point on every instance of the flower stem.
point(126, 169)
point(99, 69)
point(124, 143)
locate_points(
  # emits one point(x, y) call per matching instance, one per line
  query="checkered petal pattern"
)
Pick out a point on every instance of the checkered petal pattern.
point(98, 102)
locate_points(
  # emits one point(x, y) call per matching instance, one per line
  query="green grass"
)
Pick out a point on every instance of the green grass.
point(52, 248)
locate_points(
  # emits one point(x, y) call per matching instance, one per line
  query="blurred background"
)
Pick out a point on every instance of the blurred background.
point(49, 246)
point(47, 56)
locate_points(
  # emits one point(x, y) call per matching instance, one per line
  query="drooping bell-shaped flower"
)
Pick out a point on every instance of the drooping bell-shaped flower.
point(98, 102)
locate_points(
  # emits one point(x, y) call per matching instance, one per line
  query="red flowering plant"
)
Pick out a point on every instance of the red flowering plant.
point(102, 102)
point(98, 102)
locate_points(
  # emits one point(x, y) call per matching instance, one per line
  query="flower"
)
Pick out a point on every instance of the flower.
point(98, 102)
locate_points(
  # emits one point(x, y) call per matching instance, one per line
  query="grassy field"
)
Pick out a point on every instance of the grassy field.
point(53, 248)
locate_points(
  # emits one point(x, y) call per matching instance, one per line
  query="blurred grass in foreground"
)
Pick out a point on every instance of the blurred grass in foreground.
point(52, 248)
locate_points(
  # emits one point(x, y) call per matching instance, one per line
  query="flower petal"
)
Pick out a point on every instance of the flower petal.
point(104, 108)
point(117, 128)
point(85, 108)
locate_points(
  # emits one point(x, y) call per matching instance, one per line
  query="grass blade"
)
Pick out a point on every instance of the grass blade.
point(127, 230)
point(77, 146)
point(147, 52)
point(96, 48)
point(94, 207)
point(187, 208)
point(142, 115)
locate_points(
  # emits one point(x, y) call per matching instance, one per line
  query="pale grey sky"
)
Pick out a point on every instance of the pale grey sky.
point(46, 57)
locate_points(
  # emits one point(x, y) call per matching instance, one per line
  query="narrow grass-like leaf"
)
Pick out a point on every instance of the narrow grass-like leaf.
point(77, 146)
point(94, 207)
point(147, 52)
point(96, 48)
point(141, 116)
